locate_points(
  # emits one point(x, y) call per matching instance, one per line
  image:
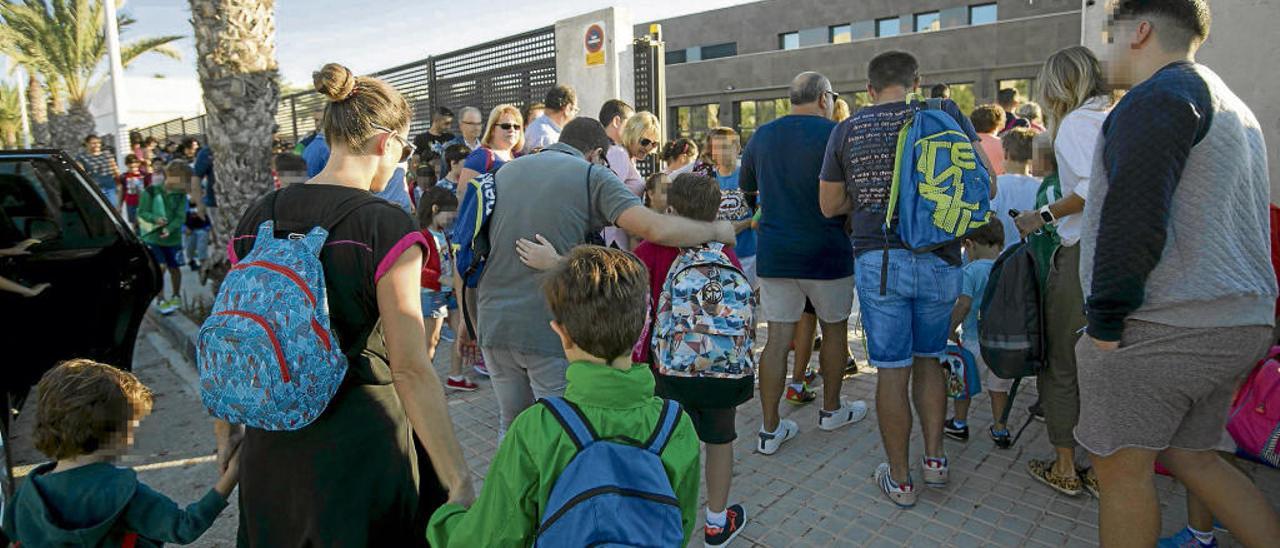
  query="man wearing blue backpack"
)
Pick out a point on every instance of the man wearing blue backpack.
point(913, 179)
point(607, 464)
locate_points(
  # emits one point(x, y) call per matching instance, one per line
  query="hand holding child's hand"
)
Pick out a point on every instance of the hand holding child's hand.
point(162, 221)
point(538, 256)
point(230, 475)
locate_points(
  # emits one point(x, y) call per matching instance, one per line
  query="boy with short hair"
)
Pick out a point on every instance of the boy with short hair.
point(454, 156)
point(710, 401)
point(906, 322)
point(988, 121)
point(133, 182)
point(86, 415)
point(597, 298)
point(736, 206)
point(162, 212)
point(1016, 189)
point(982, 246)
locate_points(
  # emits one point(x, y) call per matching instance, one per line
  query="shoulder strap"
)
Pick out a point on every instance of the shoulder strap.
point(590, 204)
point(571, 419)
point(666, 426)
point(488, 159)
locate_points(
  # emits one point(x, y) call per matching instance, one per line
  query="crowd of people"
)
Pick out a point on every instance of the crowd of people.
point(1154, 310)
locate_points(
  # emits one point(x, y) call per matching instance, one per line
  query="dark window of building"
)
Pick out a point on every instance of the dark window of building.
point(888, 27)
point(982, 14)
point(753, 114)
point(676, 57)
point(928, 22)
point(789, 40)
point(841, 34)
point(728, 49)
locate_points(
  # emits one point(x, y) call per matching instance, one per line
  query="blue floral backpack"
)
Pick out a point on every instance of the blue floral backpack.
point(704, 323)
point(267, 355)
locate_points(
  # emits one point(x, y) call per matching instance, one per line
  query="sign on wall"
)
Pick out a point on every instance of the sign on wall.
point(593, 40)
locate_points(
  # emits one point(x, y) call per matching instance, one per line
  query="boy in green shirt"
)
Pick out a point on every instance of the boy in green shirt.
point(598, 298)
point(162, 211)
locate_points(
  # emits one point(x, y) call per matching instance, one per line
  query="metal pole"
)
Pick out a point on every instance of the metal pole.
point(117, 81)
point(22, 107)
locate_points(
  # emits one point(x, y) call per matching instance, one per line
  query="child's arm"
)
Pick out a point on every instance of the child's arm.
point(155, 516)
point(506, 512)
point(146, 209)
point(958, 314)
point(15, 287)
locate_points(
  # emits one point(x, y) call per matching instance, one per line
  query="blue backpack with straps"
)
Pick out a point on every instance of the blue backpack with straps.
point(267, 355)
point(613, 492)
point(941, 190)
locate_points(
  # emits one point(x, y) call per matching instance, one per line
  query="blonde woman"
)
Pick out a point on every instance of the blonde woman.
point(1073, 92)
point(841, 111)
point(351, 477)
point(503, 136)
point(638, 139)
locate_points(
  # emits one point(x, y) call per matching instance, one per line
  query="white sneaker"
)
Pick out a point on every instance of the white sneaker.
point(901, 495)
point(847, 414)
point(935, 471)
point(771, 441)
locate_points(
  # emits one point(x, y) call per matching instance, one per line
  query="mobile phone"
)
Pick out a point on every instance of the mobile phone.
point(1013, 213)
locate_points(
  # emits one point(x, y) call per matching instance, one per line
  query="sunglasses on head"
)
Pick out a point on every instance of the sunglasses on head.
point(509, 127)
point(405, 152)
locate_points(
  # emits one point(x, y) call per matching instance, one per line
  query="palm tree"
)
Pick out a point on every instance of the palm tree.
point(236, 58)
point(63, 41)
point(10, 115)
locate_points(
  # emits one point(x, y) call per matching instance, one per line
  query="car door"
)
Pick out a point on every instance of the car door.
point(100, 274)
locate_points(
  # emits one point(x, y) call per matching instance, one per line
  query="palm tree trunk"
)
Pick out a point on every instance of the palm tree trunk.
point(38, 109)
point(236, 58)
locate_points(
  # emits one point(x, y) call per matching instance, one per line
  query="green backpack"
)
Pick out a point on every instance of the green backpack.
point(1044, 242)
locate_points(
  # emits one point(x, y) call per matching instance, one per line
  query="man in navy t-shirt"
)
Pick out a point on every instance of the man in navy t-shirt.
point(802, 254)
point(906, 297)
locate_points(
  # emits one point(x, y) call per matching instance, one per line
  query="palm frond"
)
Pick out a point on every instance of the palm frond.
point(158, 44)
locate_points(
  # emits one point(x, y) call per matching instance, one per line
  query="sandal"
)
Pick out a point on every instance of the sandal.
point(1089, 480)
point(1043, 471)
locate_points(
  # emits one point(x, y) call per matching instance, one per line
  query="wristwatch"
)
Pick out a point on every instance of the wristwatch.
point(1047, 215)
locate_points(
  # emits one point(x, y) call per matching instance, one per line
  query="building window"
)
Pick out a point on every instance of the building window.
point(1023, 85)
point(675, 57)
point(693, 121)
point(928, 22)
point(753, 114)
point(789, 40)
point(841, 34)
point(717, 51)
point(982, 14)
point(962, 94)
point(888, 27)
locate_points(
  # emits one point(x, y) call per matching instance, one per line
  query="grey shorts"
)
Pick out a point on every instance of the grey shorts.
point(1164, 387)
point(783, 299)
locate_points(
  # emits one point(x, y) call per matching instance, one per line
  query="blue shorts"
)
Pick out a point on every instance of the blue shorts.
point(911, 319)
point(435, 304)
point(166, 255)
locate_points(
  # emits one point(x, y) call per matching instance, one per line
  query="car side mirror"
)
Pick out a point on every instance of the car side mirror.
point(43, 229)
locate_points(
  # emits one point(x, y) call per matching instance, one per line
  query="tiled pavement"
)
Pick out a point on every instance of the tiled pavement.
point(817, 490)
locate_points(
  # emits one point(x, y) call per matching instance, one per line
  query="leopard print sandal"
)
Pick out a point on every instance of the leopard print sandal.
point(1043, 471)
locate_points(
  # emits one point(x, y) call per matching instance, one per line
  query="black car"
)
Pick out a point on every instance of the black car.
point(101, 276)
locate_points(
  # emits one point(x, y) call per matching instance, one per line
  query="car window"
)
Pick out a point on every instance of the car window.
point(41, 200)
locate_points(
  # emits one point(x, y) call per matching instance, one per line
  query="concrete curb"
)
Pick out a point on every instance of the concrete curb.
point(178, 330)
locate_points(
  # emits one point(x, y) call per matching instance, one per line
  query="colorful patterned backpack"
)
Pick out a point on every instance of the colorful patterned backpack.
point(705, 323)
point(267, 355)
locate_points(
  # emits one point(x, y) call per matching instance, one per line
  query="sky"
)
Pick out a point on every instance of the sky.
point(369, 35)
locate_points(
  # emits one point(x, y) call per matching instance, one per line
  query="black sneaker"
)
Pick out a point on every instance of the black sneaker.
point(1002, 439)
point(959, 433)
point(1037, 412)
point(735, 519)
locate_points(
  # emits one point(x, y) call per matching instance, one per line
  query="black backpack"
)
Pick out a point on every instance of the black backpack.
point(1011, 328)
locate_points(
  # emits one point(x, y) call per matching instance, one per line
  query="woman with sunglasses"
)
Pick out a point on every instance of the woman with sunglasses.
point(503, 135)
point(639, 140)
point(353, 477)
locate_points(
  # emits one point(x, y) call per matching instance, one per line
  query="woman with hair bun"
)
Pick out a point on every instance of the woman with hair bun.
point(358, 475)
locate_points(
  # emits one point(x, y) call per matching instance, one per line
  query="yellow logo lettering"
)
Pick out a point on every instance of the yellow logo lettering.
point(943, 182)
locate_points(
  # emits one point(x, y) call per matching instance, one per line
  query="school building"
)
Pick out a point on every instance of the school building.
point(732, 66)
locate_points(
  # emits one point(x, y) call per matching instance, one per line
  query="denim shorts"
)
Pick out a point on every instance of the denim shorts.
point(911, 319)
point(166, 256)
point(435, 304)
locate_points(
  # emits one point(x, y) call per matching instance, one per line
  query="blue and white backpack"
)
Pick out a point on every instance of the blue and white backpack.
point(704, 323)
point(615, 492)
point(941, 189)
point(267, 354)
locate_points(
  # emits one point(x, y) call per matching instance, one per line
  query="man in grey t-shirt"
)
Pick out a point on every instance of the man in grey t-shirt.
point(560, 194)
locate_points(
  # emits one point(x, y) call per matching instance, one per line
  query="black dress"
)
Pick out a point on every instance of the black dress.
point(355, 476)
